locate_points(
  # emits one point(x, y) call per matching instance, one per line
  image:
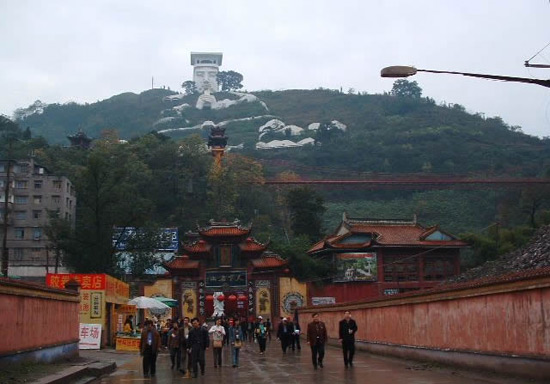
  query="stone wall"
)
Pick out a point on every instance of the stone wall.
point(38, 323)
point(500, 324)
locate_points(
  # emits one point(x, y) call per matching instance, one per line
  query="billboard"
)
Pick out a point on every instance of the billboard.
point(357, 266)
point(169, 236)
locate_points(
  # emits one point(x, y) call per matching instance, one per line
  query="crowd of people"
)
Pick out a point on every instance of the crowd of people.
point(187, 340)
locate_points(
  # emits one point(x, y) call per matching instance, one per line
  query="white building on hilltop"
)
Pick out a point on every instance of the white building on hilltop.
point(205, 69)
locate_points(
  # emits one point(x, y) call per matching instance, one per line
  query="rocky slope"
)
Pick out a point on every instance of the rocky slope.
point(536, 254)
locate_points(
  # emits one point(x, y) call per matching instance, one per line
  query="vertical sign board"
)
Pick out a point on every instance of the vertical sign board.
point(90, 336)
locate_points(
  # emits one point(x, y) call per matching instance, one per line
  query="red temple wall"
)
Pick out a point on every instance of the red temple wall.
point(508, 318)
point(36, 317)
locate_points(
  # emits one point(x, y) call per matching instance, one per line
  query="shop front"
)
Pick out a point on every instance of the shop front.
point(102, 304)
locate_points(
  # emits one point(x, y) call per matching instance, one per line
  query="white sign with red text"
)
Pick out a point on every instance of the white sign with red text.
point(90, 336)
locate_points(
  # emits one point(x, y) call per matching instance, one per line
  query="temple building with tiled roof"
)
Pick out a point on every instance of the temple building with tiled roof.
point(383, 257)
point(222, 258)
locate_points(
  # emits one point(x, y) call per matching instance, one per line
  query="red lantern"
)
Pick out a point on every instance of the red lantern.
point(221, 298)
point(286, 270)
point(232, 298)
point(209, 298)
point(242, 298)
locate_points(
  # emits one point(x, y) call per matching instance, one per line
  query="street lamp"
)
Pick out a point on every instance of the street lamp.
point(406, 71)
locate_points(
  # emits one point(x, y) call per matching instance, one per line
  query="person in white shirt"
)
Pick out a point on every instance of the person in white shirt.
point(218, 333)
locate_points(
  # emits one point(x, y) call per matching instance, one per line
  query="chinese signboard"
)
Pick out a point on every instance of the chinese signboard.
point(323, 300)
point(88, 281)
point(95, 305)
point(90, 336)
point(356, 267)
point(225, 278)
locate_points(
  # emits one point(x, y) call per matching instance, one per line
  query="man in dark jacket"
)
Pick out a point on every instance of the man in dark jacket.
point(149, 346)
point(198, 342)
point(347, 330)
point(284, 333)
point(316, 339)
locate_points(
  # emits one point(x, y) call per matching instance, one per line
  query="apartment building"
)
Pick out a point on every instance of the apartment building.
point(33, 192)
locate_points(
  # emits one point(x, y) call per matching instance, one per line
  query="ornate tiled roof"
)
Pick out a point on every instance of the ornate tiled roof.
point(385, 233)
point(269, 260)
point(222, 229)
point(199, 246)
point(251, 245)
point(182, 262)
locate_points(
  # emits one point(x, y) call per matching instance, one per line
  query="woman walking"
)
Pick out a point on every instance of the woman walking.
point(261, 334)
point(236, 338)
point(218, 332)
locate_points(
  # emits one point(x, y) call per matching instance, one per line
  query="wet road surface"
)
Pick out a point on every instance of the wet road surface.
point(296, 367)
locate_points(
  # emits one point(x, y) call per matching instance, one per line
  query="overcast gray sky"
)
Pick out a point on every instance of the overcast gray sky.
point(84, 51)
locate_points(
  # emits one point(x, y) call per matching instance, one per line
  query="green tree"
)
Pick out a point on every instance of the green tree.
point(140, 253)
point(405, 88)
point(229, 80)
point(113, 192)
point(306, 209)
point(189, 87)
point(303, 267)
point(60, 235)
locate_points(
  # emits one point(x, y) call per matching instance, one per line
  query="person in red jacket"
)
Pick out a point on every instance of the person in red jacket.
point(316, 339)
point(149, 346)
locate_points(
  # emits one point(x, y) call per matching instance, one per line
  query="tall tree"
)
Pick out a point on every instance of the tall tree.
point(113, 190)
point(306, 208)
point(229, 80)
point(405, 88)
point(189, 87)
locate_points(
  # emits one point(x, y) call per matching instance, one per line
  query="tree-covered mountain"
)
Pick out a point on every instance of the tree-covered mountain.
point(170, 176)
point(385, 133)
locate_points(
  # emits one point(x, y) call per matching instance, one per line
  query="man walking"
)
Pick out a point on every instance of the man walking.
point(149, 346)
point(316, 339)
point(284, 333)
point(198, 342)
point(347, 330)
point(185, 328)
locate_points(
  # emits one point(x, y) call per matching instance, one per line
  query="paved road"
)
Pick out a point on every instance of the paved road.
point(296, 367)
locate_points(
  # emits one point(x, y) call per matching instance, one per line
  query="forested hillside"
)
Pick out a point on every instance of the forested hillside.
point(380, 135)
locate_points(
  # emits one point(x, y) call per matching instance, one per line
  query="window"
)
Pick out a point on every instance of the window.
point(20, 215)
point(37, 184)
point(37, 233)
point(37, 199)
point(20, 184)
point(21, 199)
point(438, 268)
point(400, 268)
point(66, 202)
point(2, 167)
point(19, 233)
point(18, 254)
point(56, 199)
point(2, 183)
point(57, 184)
point(21, 168)
point(36, 214)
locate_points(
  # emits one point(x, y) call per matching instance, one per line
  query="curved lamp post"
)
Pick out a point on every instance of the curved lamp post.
point(406, 71)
